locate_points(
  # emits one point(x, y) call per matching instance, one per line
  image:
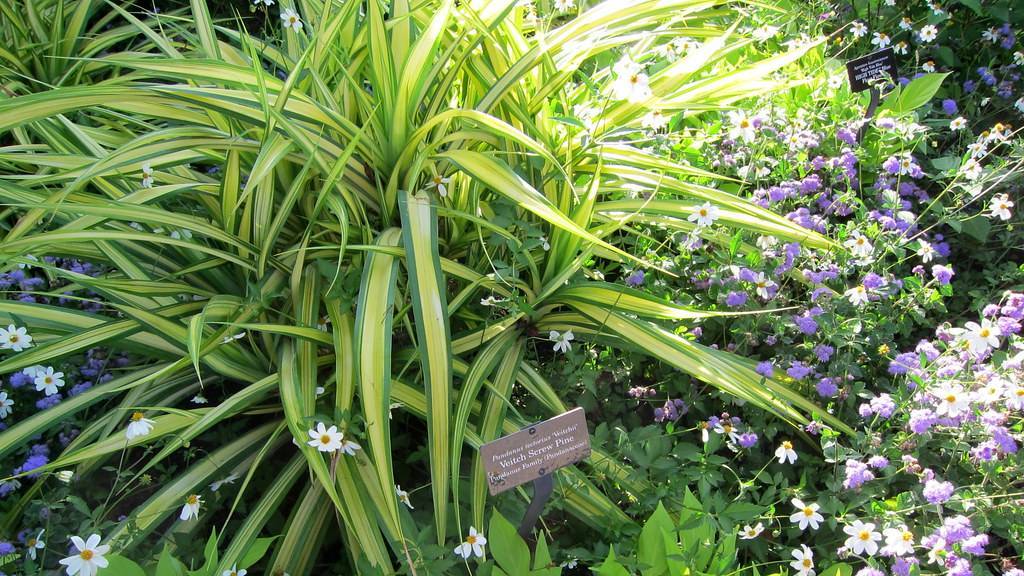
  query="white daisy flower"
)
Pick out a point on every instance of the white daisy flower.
point(48, 381)
point(235, 571)
point(1000, 207)
point(928, 33)
point(138, 426)
point(898, 541)
point(785, 452)
point(958, 123)
point(325, 439)
point(403, 496)
point(631, 83)
point(34, 545)
point(858, 29)
point(858, 295)
point(750, 532)
point(863, 539)
point(859, 245)
point(349, 447)
point(191, 508)
point(472, 545)
point(15, 338)
point(291, 19)
point(440, 184)
point(89, 558)
point(562, 340)
point(803, 561)
point(881, 40)
point(705, 215)
point(805, 515)
point(6, 405)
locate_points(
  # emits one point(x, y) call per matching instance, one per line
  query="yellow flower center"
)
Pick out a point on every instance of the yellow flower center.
point(48, 379)
point(864, 535)
point(808, 512)
point(908, 537)
point(31, 543)
point(1020, 392)
point(634, 79)
point(727, 428)
point(86, 555)
point(325, 439)
point(744, 123)
point(807, 563)
point(437, 180)
point(471, 540)
point(787, 445)
point(703, 212)
point(137, 416)
point(951, 398)
point(985, 332)
point(13, 338)
point(192, 500)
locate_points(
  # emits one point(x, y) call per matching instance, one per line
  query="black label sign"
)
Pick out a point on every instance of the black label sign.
point(871, 67)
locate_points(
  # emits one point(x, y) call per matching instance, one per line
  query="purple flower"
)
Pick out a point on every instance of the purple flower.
point(975, 544)
point(959, 566)
point(1004, 439)
point(904, 363)
point(747, 439)
point(798, 370)
point(735, 299)
point(937, 492)
point(824, 352)
point(872, 281)
point(869, 571)
point(33, 462)
point(765, 369)
point(826, 388)
point(955, 529)
point(942, 274)
point(6, 548)
point(805, 324)
point(878, 462)
point(847, 136)
point(901, 566)
point(635, 279)
point(883, 405)
point(857, 474)
point(949, 106)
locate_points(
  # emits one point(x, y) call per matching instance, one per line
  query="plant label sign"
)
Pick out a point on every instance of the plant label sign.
point(535, 451)
point(871, 67)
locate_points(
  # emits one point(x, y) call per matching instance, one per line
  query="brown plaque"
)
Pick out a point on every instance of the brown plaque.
point(536, 451)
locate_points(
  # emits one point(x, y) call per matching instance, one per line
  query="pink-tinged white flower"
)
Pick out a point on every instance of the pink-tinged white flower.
point(958, 123)
point(803, 561)
point(138, 425)
point(290, 19)
point(785, 452)
point(89, 558)
point(750, 532)
point(325, 439)
point(858, 295)
point(403, 496)
point(439, 184)
point(705, 215)
point(472, 545)
point(763, 285)
point(858, 29)
point(859, 245)
point(742, 126)
point(631, 83)
point(48, 381)
point(563, 341)
point(951, 401)
point(981, 337)
point(191, 508)
point(881, 40)
point(928, 66)
point(971, 169)
point(6, 405)
point(15, 338)
point(1000, 207)
point(863, 539)
point(928, 33)
point(806, 514)
point(34, 545)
